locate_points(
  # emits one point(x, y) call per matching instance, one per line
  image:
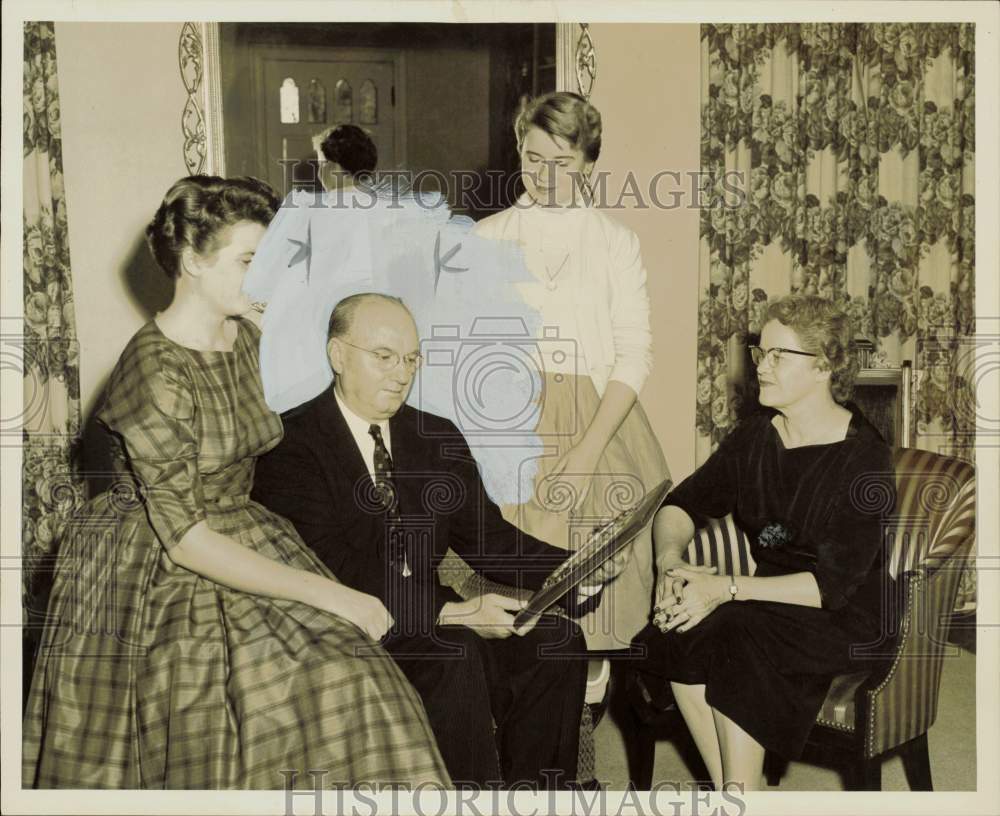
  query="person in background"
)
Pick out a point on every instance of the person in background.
point(346, 156)
point(194, 640)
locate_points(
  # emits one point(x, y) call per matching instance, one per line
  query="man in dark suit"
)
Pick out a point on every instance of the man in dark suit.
point(380, 491)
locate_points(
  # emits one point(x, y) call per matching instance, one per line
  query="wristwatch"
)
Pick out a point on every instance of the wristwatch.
point(733, 589)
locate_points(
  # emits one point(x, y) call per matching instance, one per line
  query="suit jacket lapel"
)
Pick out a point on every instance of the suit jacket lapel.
point(339, 446)
point(406, 460)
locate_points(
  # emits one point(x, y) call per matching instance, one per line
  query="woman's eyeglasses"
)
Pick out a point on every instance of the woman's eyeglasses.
point(773, 355)
point(387, 360)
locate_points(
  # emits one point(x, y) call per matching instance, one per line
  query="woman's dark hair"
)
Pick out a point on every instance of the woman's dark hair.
point(351, 148)
point(197, 208)
point(825, 330)
point(564, 114)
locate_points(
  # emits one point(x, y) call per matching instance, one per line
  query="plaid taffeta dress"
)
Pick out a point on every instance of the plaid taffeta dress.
point(151, 676)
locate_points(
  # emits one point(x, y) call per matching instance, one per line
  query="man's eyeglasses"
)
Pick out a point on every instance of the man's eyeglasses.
point(387, 360)
point(773, 355)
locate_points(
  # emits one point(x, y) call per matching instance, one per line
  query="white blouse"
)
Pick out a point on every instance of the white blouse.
point(598, 298)
point(550, 240)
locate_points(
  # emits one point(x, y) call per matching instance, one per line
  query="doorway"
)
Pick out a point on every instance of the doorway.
point(317, 89)
point(438, 100)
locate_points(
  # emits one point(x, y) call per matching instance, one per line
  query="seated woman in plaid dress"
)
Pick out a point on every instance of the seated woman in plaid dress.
point(194, 641)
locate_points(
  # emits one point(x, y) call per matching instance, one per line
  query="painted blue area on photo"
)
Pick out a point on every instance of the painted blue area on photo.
point(481, 366)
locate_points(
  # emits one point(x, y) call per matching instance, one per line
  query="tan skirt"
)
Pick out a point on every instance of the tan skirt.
point(631, 464)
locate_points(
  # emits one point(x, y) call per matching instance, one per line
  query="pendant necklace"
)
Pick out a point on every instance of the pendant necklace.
point(551, 284)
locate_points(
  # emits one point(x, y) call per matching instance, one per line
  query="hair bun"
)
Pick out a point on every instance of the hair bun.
point(196, 208)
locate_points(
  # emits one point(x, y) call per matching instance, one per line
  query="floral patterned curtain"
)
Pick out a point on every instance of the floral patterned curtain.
point(51, 484)
point(858, 143)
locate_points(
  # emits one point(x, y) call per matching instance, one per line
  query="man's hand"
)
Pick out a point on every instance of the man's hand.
point(489, 616)
point(701, 595)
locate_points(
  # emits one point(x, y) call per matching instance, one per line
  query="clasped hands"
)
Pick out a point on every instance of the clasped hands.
point(686, 595)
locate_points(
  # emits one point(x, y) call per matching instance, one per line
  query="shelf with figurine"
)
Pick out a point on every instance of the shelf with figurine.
point(884, 392)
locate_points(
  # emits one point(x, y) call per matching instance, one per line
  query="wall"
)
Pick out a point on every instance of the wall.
point(647, 90)
point(121, 101)
point(440, 85)
point(121, 97)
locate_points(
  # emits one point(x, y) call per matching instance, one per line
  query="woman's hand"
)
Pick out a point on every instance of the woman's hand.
point(365, 611)
point(669, 593)
point(702, 593)
point(575, 468)
point(670, 587)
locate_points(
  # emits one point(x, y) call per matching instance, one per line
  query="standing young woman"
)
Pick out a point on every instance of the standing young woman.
point(194, 640)
point(590, 284)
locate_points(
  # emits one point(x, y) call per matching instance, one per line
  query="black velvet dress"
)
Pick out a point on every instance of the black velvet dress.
point(817, 508)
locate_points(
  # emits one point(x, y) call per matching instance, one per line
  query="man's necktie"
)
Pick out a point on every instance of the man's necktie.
point(386, 487)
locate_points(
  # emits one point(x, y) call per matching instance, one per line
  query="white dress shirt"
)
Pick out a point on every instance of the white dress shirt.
point(359, 430)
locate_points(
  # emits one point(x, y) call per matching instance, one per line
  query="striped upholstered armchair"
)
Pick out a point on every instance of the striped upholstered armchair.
point(894, 704)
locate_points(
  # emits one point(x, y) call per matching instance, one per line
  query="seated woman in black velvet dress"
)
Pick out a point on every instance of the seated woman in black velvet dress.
point(751, 676)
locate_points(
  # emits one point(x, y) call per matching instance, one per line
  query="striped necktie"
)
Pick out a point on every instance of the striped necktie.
point(383, 474)
point(386, 487)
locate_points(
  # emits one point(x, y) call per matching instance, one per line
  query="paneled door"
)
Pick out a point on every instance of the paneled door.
point(307, 89)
